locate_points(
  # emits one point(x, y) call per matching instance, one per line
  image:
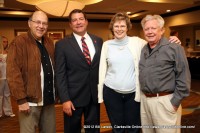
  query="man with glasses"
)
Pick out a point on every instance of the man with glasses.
point(30, 76)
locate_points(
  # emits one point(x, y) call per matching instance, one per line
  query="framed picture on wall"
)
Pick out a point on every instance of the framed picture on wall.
point(20, 31)
point(56, 35)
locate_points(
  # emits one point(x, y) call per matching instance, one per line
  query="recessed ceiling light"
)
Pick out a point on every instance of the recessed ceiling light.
point(128, 12)
point(168, 10)
point(169, 1)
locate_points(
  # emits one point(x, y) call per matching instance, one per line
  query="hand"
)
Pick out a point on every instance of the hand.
point(68, 107)
point(175, 108)
point(174, 39)
point(25, 108)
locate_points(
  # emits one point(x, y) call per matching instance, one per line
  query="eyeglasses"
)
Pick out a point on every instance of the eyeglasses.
point(5, 41)
point(39, 23)
point(119, 27)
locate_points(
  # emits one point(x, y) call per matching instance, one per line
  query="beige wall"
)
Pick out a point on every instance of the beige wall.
point(183, 23)
point(97, 28)
point(7, 28)
point(183, 19)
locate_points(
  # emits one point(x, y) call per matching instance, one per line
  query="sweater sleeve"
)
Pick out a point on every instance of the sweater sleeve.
point(102, 72)
point(183, 77)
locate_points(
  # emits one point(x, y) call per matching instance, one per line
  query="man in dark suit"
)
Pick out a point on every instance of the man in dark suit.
point(77, 67)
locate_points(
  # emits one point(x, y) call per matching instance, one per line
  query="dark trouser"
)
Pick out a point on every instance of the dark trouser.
point(122, 111)
point(91, 113)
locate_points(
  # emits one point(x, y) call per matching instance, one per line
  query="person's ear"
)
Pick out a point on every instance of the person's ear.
point(163, 30)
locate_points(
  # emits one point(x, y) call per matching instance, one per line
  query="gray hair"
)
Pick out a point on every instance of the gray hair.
point(153, 17)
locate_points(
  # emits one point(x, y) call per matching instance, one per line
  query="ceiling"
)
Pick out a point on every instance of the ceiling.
point(107, 8)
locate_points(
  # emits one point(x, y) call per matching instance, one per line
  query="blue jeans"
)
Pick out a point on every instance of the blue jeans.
point(123, 111)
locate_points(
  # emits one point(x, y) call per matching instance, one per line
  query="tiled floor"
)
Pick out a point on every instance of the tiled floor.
point(190, 118)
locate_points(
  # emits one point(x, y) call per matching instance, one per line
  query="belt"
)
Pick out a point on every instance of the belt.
point(157, 94)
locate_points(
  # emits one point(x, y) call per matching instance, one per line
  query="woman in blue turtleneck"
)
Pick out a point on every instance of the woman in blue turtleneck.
point(118, 76)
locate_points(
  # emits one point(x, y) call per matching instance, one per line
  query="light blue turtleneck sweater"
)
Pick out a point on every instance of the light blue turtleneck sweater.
point(120, 74)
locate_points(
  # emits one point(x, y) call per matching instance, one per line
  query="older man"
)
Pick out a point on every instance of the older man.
point(164, 78)
point(30, 76)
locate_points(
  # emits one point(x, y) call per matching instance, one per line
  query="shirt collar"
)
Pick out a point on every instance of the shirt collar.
point(78, 37)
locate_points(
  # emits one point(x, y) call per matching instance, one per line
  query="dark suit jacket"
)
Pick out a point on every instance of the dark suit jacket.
point(75, 79)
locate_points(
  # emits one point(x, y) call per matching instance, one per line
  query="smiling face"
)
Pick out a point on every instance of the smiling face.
point(78, 23)
point(38, 24)
point(120, 29)
point(153, 32)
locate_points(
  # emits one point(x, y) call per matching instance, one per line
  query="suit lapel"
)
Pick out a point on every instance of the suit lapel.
point(76, 47)
point(94, 41)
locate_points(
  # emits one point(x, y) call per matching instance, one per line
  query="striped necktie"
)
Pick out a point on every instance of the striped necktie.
point(86, 51)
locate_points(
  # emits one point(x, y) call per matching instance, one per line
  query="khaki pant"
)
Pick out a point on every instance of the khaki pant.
point(42, 118)
point(159, 116)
